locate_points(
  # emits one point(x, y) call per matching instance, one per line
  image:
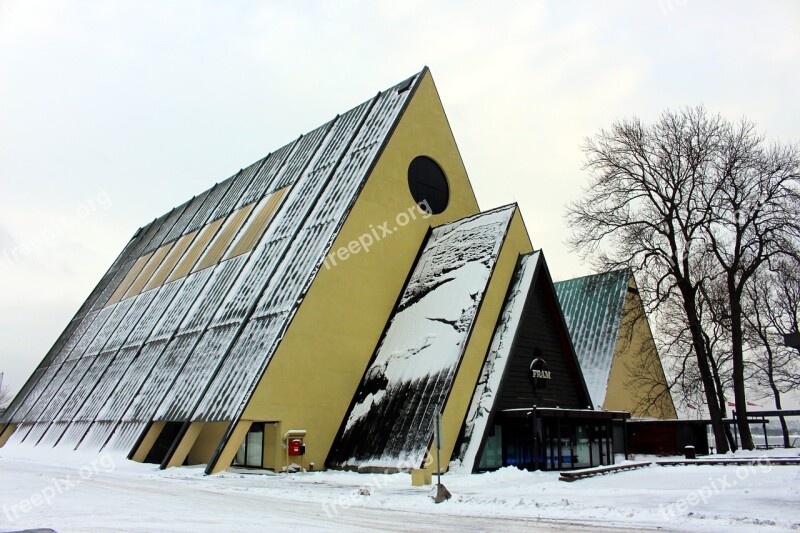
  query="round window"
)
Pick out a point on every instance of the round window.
point(428, 184)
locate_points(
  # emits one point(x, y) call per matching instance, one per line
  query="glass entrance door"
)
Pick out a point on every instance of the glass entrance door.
point(251, 452)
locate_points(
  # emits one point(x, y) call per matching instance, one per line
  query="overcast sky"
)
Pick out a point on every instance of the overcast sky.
point(111, 113)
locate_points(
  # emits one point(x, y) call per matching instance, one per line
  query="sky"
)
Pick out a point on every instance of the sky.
point(112, 113)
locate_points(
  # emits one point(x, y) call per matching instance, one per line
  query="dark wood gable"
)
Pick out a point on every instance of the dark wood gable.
point(542, 334)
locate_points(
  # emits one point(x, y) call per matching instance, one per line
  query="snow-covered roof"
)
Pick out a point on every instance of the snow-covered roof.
point(592, 307)
point(194, 347)
point(483, 399)
point(390, 424)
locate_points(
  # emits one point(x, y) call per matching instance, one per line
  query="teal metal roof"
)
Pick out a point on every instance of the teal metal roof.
point(592, 307)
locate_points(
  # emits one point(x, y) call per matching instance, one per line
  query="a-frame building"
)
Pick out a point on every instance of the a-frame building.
point(429, 356)
point(222, 312)
point(531, 407)
point(615, 345)
point(339, 293)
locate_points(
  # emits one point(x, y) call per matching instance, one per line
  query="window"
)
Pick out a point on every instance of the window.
point(251, 451)
point(428, 184)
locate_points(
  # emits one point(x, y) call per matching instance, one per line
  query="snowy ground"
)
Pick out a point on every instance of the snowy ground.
point(76, 492)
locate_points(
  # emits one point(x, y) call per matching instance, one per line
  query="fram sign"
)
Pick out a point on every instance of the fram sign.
point(540, 375)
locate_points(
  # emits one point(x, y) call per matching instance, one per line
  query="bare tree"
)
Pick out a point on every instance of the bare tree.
point(772, 308)
point(644, 208)
point(677, 346)
point(754, 205)
point(717, 338)
point(692, 203)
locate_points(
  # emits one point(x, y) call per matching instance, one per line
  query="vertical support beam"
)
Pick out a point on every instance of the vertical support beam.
point(174, 446)
point(558, 442)
point(228, 446)
point(140, 451)
point(183, 444)
point(625, 437)
point(6, 434)
point(600, 440)
point(535, 442)
point(545, 446)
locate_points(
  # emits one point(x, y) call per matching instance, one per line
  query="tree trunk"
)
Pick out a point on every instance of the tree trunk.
point(737, 352)
point(777, 395)
point(690, 306)
point(723, 402)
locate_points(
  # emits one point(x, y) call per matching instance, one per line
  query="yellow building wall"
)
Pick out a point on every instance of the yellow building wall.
point(272, 446)
point(636, 382)
point(206, 443)
point(517, 242)
point(315, 372)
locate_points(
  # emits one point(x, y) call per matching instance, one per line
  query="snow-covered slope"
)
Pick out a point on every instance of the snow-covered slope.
point(85, 493)
point(391, 423)
point(494, 367)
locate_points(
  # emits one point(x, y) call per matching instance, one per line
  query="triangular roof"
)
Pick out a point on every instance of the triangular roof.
point(530, 313)
point(391, 421)
point(592, 307)
point(249, 249)
point(615, 345)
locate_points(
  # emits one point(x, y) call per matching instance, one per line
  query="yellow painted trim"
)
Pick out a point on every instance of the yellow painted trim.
point(148, 441)
point(317, 368)
point(636, 373)
point(195, 250)
point(147, 272)
point(175, 253)
point(516, 243)
point(186, 444)
point(128, 279)
point(7, 434)
point(223, 238)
